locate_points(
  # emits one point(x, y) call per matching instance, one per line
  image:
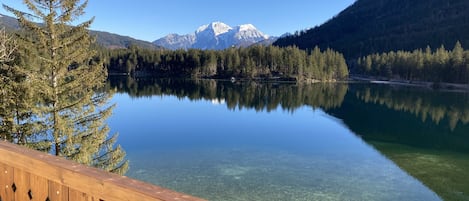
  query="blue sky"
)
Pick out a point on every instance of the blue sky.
point(152, 19)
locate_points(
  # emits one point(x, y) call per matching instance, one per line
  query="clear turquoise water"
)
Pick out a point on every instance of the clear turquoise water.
point(203, 148)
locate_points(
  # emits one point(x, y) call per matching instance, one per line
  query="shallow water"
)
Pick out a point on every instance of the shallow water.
point(208, 148)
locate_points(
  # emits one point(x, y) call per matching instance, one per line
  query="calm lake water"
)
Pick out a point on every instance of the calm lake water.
point(261, 141)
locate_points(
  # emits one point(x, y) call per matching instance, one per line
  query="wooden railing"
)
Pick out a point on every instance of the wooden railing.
point(31, 175)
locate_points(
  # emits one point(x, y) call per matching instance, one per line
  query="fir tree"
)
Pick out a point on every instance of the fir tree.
point(66, 78)
point(10, 90)
point(17, 118)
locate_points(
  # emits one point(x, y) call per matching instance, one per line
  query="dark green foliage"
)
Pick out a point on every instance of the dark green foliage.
point(422, 65)
point(425, 132)
point(261, 96)
point(372, 26)
point(62, 75)
point(255, 62)
point(14, 93)
point(450, 109)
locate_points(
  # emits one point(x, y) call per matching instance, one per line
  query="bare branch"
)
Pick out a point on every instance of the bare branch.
point(8, 46)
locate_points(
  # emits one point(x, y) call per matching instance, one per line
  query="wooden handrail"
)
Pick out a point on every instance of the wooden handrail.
point(32, 175)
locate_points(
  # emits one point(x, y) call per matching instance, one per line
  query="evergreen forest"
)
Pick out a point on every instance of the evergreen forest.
point(255, 62)
point(376, 26)
point(437, 66)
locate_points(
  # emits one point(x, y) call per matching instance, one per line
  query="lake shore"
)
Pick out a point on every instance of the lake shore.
point(429, 85)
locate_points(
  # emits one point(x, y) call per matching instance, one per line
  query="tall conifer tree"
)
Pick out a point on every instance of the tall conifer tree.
point(12, 92)
point(66, 81)
point(7, 122)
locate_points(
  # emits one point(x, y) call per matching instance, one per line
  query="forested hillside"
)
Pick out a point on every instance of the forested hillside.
point(105, 39)
point(110, 40)
point(375, 26)
point(437, 66)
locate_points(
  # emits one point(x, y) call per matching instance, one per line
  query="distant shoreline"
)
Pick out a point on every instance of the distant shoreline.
point(425, 84)
point(351, 79)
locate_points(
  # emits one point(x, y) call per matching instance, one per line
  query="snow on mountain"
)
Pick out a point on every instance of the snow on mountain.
point(214, 28)
point(249, 33)
point(175, 41)
point(216, 35)
point(208, 36)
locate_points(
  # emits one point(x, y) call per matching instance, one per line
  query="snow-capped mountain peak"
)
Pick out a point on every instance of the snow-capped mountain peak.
point(246, 27)
point(216, 28)
point(249, 31)
point(216, 35)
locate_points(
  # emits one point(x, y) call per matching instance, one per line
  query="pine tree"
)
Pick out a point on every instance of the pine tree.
point(7, 48)
point(17, 118)
point(11, 79)
point(456, 60)
point(72, 113)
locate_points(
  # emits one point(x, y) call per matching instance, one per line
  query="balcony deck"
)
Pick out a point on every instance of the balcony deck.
point(31, 175)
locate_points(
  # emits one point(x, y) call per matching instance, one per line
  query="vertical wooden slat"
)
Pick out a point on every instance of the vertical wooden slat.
point(3, 178)
point(57, 192)
point(21, 179)
point(52, 174)
point(6, 179)
point(77, 195)
point(39, 188)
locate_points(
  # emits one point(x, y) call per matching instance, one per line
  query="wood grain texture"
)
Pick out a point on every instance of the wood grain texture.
point(57, 192)
point(21, 180)
point(74, 180)
point(78, 196)
point(39, 188)
point(6, 180)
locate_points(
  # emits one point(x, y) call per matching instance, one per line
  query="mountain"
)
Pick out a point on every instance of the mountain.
point(105, 39)
point(370, 26)
point(111, 40)
point(9, 23)
point(217, 36)
point(175, 41)
point(268, 41)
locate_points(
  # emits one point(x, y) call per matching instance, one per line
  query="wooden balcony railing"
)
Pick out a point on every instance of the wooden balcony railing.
point(31, 175)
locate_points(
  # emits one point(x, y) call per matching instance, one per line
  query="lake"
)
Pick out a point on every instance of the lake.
point(278, 141)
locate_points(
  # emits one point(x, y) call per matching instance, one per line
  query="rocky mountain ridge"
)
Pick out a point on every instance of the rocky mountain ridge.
point(215, 36)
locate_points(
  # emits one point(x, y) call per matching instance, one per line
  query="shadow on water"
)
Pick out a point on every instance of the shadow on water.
point(424, 132)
